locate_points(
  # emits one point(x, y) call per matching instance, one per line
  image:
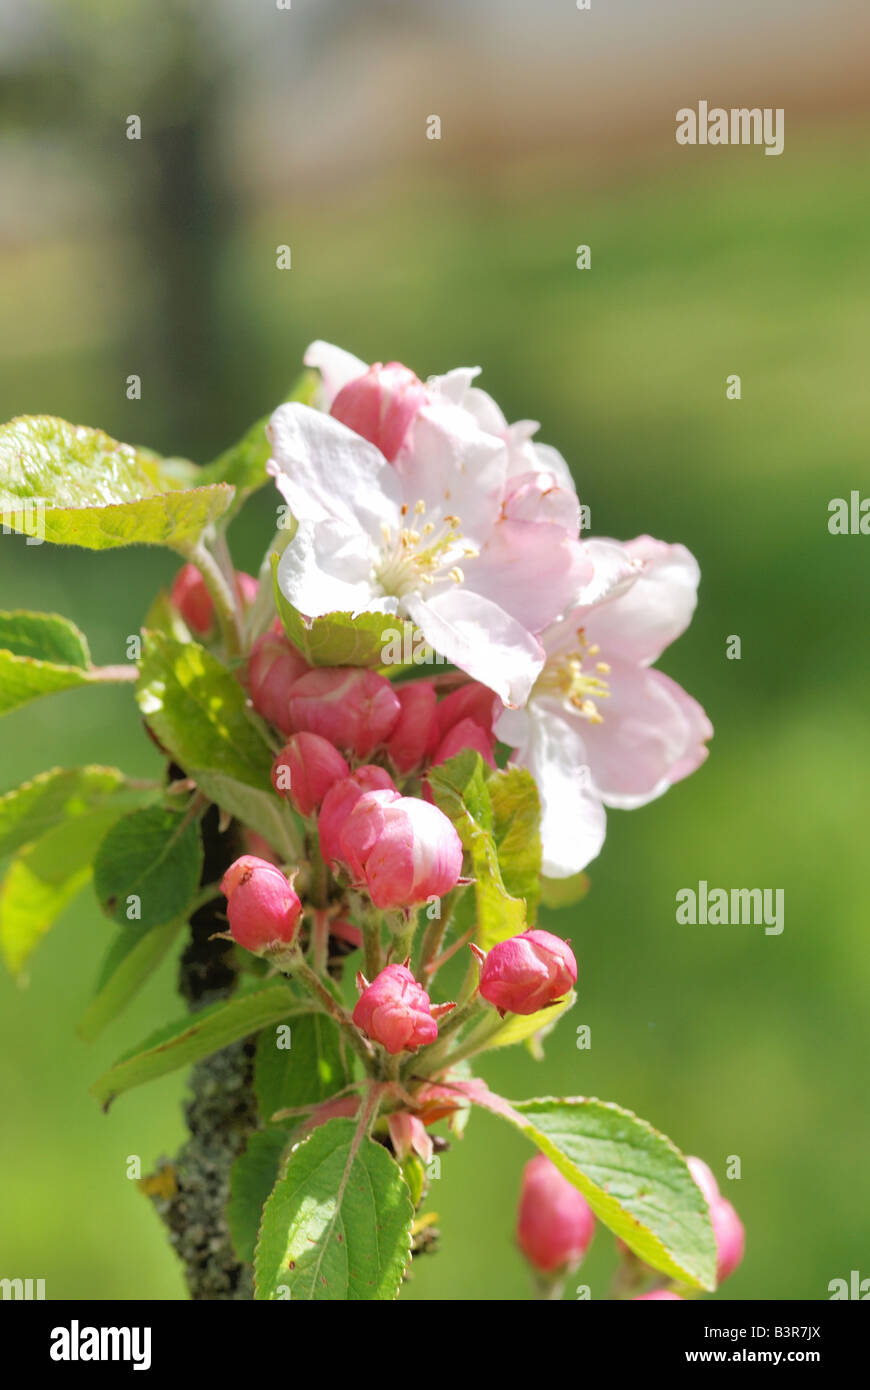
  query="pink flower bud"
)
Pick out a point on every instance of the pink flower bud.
point(353, 708)
point(727, 1226)
point(340, 801)
point(730, 1237)
point(381, 405)
point(472, 701)
point(414, 738)
point(527, 972)
point(305, 769)
point(192, 599)
point(555, 1223)
point(262, 908)
point(465, 734)
point(703, 1176)
point(396, 1011)
point(658, 1296)
point(404, 849)
point(273, 667)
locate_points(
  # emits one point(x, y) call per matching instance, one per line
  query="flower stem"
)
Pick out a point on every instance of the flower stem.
point(309, 980)
point(226, 607)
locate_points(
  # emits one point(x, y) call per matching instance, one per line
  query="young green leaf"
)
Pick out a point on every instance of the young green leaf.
point(462, 793)
point(634, 1179)
point(303, 1069)
point(252, 1177)
point(44, 637)
point(338, 1223)
point(61, 794)
point(44, 878)
point(132, 958)
point(91, 491)
point(195, 1036)
point(23, 679)
point(516, 816)
point(148, 866)
point(196, 708)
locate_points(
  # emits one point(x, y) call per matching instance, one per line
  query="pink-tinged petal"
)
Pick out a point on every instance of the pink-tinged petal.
point(454, 468)
point(531, 570)
point(408, 1134)
point(477, 635)
point(640, 622)
point(467, 733)
point(326, 471)
point(652, 734)
point(336, 368)
point(539, 497)
point(550, 744)
point(613, 571)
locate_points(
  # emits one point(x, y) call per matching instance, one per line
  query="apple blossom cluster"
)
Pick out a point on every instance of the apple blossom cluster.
point(418, 502)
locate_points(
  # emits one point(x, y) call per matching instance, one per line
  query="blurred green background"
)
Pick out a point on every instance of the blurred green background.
point(157, 257)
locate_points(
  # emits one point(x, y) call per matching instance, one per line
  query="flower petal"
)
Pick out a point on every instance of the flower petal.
point(454, 468)
point(638, 622)
point(324, 470)
point(652, 734)
point(327, 568)
point(532, 570)
point(336, 368)
point(481, 639)
point(551, 746)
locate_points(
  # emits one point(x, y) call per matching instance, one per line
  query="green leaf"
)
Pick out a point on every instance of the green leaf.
point(22, 679)
point(309, 1071)
point(132, 958)
point(379, 641)
point(634, 1179)
point(58, 795)
point(196, 707)
point(462, 792)
point(564, 892)
point(91, 491)
point(244, 464)
point(164, 617)
point(252, 1177)
point(44, 878)
point(516, 815)
point(153, 856)
point(268, 814)
point(338, 1223)
point(195, 1036)
point(44, 637)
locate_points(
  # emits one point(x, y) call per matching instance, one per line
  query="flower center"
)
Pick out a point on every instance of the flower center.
point(416, 554)
point(566, 676)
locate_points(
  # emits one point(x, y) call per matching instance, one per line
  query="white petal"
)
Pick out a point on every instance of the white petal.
point(638, 622)
point(325, 471)
point(327, 568)
point(573, 820)
point(481, 639)
point(454, 468)
point(336, 368)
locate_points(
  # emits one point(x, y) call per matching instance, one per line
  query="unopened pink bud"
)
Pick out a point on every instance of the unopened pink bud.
point(704, 1178)
point(527, 972)
point(262, 908)
point(465, 734)
point(555, 1223)
point(404, 849)
point(353, 708)
point(658, 1296)
point(415, 736)
point(340, 801)
point(192, 599)
point(381, 405)
point(396, 1011)
point(472, 701)
point(730, 1237)
point(305, 769)
point(273, 668)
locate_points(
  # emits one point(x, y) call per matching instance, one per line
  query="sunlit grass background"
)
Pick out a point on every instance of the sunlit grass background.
point(732, 1042)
